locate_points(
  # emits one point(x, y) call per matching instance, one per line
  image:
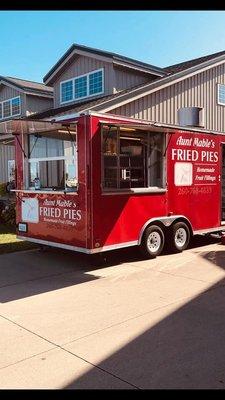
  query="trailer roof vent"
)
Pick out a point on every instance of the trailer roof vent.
point(190, 116)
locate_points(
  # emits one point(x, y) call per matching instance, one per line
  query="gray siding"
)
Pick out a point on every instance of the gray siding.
point(125, 79)
point(6, 92)
point(6, 153)
point(37, 104)
point(82, 65)
point(28, 103)
point(199, 90)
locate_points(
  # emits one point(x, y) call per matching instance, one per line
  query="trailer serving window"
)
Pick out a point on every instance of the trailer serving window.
point(132, 158)
point(50, 152)
point(52, 163)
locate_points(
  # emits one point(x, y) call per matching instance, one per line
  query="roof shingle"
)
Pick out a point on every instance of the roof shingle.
point(191, 63)
point(29, 86)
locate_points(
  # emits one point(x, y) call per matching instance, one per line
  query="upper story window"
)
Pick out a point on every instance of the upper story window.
point(6, 109)
point(67, 91)
point(10, 108)
point(82, 86)
point(95, 82)
point(221, 94)
point(16, 106)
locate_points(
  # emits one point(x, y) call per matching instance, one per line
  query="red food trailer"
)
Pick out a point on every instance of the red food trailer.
point(97, 182)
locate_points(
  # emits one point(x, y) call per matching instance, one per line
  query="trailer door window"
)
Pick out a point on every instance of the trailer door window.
point(132, 158)
point(52, 162)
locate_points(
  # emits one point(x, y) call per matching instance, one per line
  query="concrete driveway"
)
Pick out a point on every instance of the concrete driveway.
point(68, 321)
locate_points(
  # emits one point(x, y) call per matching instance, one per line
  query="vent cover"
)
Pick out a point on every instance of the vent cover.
point(190, 116)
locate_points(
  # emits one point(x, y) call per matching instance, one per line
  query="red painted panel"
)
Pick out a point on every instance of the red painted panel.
point(60, 218)
point(93, 219)
point(119, 218)
point(193, 161)
point(53, 217)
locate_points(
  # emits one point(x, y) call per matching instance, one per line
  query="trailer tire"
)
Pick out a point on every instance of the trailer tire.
point(152, 242)
point(179, 237)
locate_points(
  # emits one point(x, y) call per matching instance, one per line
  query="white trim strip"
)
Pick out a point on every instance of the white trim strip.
point(115, 246)
point(51, 192)
point(63, 117)
point(79, 249)
point(54, 244)
point(209, 230)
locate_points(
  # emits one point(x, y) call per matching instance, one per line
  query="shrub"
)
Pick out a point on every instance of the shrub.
point(8, 214)
point(2, 189)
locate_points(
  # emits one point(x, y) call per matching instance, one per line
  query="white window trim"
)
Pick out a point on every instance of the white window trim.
point(46, 159)
point(67, 101)
point(10, 102)
point(71, 158)
point(218, 89)
point(88, 95)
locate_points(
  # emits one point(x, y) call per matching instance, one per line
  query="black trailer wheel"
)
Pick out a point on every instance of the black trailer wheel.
point(152, 242)
point(179, 237)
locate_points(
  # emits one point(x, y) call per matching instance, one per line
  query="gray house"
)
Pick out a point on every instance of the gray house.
point(87, 79)
point(18, 98)
point(97, 81)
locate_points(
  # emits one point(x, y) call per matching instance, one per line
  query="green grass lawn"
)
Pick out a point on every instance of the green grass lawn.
point(9, 241)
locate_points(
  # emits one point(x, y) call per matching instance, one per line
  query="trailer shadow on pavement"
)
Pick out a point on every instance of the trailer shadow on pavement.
point(183, 349)
point(29, 273)
point(24, 274)
point(178, 345)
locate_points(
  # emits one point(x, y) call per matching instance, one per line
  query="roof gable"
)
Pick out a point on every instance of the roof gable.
point(106, 103)
point(106, 56)
point(28, 87)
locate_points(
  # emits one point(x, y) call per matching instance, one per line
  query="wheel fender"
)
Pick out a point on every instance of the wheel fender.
point(165, 221)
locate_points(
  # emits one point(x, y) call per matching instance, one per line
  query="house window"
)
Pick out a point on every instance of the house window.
point(83, 86)
point(6, 109)
point(95, 83)
point(16, 106)
point(132, 158)
point(67, 91)
point(53, 162)
point(221, 94)
point(10, 108)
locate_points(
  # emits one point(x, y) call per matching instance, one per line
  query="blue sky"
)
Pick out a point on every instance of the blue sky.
point(39, 38)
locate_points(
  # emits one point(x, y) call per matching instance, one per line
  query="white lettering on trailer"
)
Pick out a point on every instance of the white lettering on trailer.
point(184, 142)
point(196, 142)
point(194, 155)
point(209, 156)
point(184, 155)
